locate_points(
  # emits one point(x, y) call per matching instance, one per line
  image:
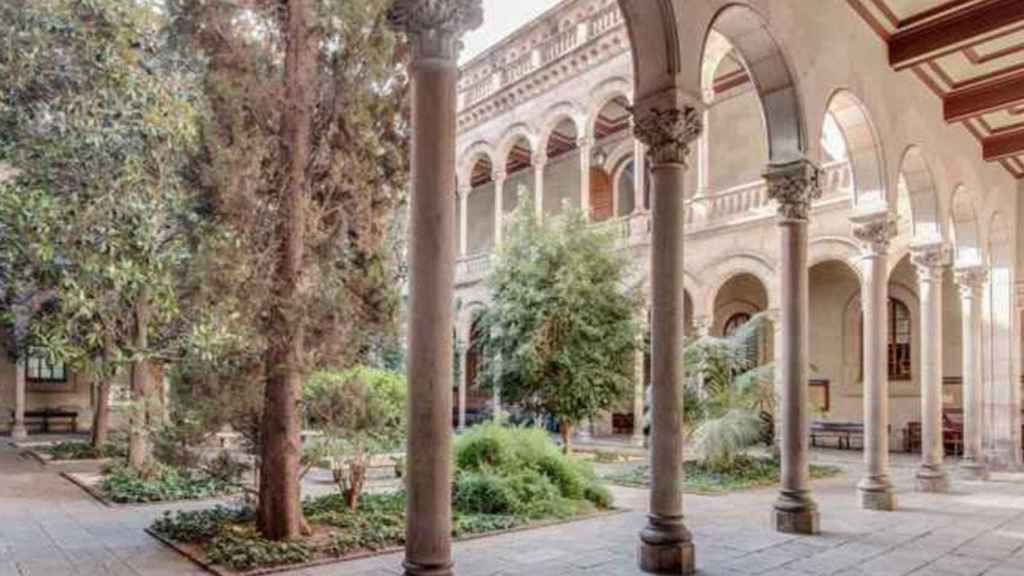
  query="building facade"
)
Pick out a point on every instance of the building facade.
point(546, 112)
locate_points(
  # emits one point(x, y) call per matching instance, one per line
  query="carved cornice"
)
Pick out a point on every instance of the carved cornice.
point(875, 232)
point(668, 133)
point(794, 185)
point(971, 279)
point(435, 27)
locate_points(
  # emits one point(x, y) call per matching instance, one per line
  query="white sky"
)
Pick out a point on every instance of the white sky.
point(501, 17)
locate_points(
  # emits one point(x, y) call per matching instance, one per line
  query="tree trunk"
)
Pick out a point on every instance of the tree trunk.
point(565, 429)
point(280, 514)
point(101, 417)
point(138, 449)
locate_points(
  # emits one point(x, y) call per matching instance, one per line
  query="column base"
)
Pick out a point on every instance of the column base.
point(413, 569)
point(666, 547)
point(19, 432)
point(973, 471)
point(668, 558)
point(876, 494)
point(795, 513)
point(637, 440)
point(932, 479)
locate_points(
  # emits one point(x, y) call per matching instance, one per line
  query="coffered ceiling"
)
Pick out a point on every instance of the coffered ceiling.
point(970, 53)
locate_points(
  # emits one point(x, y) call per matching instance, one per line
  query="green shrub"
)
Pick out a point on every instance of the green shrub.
point(245, 551)
point(72, 450)
point(598, 495)
point(162, 484)
point(198, 525)
point(483, 493)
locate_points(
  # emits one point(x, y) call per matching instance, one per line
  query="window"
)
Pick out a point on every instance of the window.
point(39, 368)
point(899, 341)
point(754, 346)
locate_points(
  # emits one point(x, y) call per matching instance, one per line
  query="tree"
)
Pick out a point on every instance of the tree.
point(97, 123)
point(303, 170)
point(561, 331)
point(362, 412)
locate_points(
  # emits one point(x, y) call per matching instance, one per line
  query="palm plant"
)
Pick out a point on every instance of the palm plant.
point(729, 395)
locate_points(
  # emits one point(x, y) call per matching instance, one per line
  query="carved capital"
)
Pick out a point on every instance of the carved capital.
point(500, 176)
point(875, 232)
point(703, 325)
point(930, 261)
point(435, 27)
point(971, 279)
point(794, 185)
point(539, 159)
point(668, 133)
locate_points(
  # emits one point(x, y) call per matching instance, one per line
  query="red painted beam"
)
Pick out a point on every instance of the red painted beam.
point(1004, 145)
point(957, 28)
point(990, 96)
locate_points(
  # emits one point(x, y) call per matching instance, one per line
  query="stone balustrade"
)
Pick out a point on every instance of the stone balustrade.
point(739, 205)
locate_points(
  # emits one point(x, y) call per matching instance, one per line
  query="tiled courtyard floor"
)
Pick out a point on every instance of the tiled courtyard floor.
point(48, 527)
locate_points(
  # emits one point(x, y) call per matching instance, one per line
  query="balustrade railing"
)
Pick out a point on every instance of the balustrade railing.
point(560, 44)
point(606, 19)
point(517, 69)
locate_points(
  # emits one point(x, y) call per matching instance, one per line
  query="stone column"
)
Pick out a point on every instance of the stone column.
point(971, 280)
point(434, 29)
point(794, 185)
point(499, 206)
point(666, 546)
point(463, 380)
point(639, 176)
point(586, 146)
point(18, 431)
point(930, 261)
point(639, 393)
point(464, 192)
point(875, 230)
point(540, 160)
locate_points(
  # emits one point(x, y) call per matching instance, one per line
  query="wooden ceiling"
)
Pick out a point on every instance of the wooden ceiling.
point(970, 53)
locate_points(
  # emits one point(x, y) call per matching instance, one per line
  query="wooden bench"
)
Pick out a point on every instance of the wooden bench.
point(47, 415)
point(843, 432)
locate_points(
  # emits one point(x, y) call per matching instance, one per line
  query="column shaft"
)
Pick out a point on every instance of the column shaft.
point(463, 384)
point(538, 188)
point(639, 390)
point(499, 208)
point(971, 281)
point(794, 186)
point(639, 176)
point(464, 220)
point(19, 431)
point(585, 147)
point(931, 476)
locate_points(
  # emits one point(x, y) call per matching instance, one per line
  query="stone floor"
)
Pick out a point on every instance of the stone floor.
point(49, 527)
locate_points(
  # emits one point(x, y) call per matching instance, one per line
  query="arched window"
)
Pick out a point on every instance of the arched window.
point(756, 344)
point(899, 341)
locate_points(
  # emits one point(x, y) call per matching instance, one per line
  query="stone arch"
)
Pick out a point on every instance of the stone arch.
point(724, 269)
point(826, 248)
point(917, 186)
point(756, 299)
point(862, 146)
point(470, 156)
point(663, 34)
point(965, 227)
point(604, 93)
point(512, 136)
point(557, 114)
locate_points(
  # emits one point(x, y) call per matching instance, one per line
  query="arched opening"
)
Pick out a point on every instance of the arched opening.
point(625, 188)
point(848, 135)
point(480, 207)
point(835, 342)
point(918, 203)
point(966, 236)
point(562, 171)
point(738, 300)
point(477, 398)
point(519, 173)
point(610, 127)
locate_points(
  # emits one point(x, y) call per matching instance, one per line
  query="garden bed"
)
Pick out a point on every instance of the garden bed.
point(223, 541)
point(747, 473)
point(118, 486)
point(73, 452)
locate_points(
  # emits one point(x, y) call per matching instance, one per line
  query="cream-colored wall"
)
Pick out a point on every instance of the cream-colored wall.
point(737, 150)
point(75, 395)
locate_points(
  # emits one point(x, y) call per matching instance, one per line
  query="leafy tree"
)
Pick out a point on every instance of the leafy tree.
point(362, 412)
point(562, 329)
point(303, 170)
point(97, 123)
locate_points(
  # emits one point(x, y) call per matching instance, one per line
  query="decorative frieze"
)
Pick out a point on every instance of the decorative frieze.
point(668, 133)
point(435, 27)
point(794, 185)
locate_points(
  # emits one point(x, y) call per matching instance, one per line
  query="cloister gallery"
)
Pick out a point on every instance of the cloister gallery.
point(819, 164)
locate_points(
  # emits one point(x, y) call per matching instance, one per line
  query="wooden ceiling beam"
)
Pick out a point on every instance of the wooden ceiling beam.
point(993, 95)
point(958, 27)
point(1002, 146)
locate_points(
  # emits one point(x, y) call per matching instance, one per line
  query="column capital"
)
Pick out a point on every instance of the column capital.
point(462, 191)
point(500, 175)
point(930, 260)
point(875, 231)
point(584, 142)
point(794, 185)
point(539, 159)
point(435, 27)
point(668, 133)
point(703, 325)
point(971, 279)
